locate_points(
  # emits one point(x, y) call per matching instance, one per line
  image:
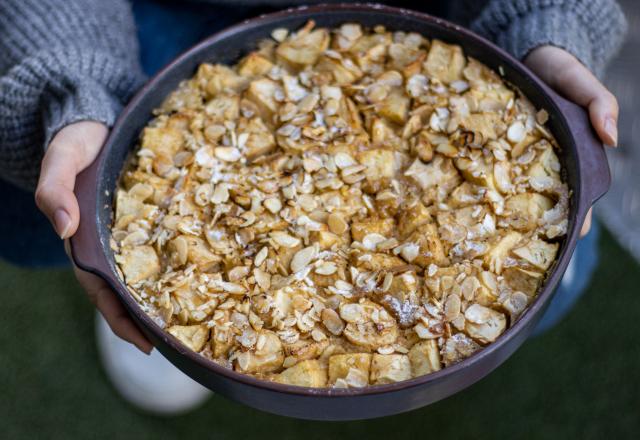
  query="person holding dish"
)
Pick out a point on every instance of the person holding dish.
point(71, 66)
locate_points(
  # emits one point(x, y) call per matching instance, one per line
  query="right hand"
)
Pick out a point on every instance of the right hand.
point(566, 74)
point(72, 150)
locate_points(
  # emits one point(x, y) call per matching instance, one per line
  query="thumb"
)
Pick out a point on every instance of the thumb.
point(71, 150)
point(579, 85)
point(571, 78)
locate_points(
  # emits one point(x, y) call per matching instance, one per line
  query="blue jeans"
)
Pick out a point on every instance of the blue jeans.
point(165, 29)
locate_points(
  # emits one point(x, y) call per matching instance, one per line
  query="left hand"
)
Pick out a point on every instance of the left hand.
point(568, 76)
point(72, 150)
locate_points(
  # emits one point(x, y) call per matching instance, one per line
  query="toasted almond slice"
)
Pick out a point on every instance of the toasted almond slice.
point(516, 132)
point(233, 288)
point(388, 279)
point(332, 321)
point(452, 307)
point(261, 256)
point(249, 218)
point(285, 240)
point(326, 268)
point(542, 117)
point(337, 224)
point(307, 202)
point(273, 204)
point(317, 335)
point(459, 86)
point(370, 241)
point(220, 194)
point(279, 34)
point(343, 160)
point(238, 273)
point(263, 279)
point(417, 85)
point(228, 154)
point(410, 251)
point(303, 258)
point(353, 169)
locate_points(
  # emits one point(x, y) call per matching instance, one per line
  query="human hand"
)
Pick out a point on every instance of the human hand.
point(568, 76)
point(110, 307)
point(71, 151)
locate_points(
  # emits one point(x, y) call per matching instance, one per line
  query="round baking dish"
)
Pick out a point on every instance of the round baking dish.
point(585, 170)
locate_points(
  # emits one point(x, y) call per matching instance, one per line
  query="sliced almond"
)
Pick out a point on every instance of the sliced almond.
point(326, 268)
point(220, 194)
point(249, 218)
point(452, 307)
point(228, 154)
point(307, 202)
point(337, 224)
point(370, 241)
point(386, 284)
point(263, 279)
point(238, 273)
point(260, 256)
point(303, 258)
point(280, 34)
point(410, 251)
point(516, 132)
point(332, 322)
point(343, 160)
point(285, 240)
point(273, 205)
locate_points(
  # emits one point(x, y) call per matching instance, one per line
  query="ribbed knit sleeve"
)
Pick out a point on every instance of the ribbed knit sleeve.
point(592, 30)
point(61, 61)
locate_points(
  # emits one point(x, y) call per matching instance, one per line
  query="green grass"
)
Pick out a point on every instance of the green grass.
point(581, 380)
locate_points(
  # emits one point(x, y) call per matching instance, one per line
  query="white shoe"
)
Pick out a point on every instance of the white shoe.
point(151, 382)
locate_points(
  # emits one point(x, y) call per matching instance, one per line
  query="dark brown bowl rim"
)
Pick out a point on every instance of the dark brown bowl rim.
point(540, 301)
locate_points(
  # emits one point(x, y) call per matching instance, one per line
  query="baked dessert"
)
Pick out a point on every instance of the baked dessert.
point(342, 208)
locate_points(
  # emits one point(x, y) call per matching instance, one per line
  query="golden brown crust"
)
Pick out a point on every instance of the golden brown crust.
point(342, 208)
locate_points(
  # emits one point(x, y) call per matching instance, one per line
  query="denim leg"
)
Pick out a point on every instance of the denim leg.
point(165, 29)
point(575, 281)
point(26, 236)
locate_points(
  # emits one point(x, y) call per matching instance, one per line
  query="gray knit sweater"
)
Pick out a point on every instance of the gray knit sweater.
point(63, 61)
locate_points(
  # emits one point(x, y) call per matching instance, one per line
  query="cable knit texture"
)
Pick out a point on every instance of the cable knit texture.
point(592, 30)
point(63, 61)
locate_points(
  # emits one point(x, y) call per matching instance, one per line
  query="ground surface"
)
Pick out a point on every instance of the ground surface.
point(581, 380)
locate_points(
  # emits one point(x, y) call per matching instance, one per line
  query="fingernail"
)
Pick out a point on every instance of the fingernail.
point(144, 348)
point(63, 223)
point(610, 127)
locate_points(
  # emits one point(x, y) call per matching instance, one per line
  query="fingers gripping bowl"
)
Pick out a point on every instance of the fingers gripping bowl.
point(585, 171)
